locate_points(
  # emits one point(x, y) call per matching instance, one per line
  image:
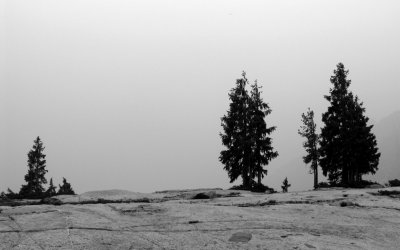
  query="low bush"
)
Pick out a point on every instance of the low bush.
point(348, 204)
point(394, 183)
point(389, 192)
point(257, 188)
point(360, 184)
point(324, 185)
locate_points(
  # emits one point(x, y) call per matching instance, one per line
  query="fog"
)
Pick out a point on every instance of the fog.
point(129, 94)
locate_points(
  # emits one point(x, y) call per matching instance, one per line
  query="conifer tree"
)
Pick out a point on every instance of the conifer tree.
point(51, 191)
point(308, 131)
point(65, 188)
point(262, 150)
point(245, 135)
point(35, 177)
point(365, 155)
point(348, 149)
point(285, 185)
point(235, 136)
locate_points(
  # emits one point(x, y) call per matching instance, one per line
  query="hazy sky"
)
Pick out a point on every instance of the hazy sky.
point(129, 94)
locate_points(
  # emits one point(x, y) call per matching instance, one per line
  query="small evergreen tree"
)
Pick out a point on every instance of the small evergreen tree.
point(35, 177)
point(285, 185)
point(65, 188)
point(262, 150)
point(308, 131)
point(51, 191)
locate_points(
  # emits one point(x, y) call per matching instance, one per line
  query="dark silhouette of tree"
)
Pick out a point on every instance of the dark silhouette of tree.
point(236, 136)
point(245, 135)
point(308, 131)
point(285, 185)
point(262, 150)
point(365, 157)
point(348, 149)
point(11, 195)
point(65, 188)
point(51, 191)
point(35, 177)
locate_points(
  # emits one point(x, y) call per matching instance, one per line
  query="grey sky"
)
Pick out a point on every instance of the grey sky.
point(129, 94)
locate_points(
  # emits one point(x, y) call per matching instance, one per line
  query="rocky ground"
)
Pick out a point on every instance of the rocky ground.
point(324, 219)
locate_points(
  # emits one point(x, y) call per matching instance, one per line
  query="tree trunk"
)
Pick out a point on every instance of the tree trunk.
point(315, 175)
point(246, 179)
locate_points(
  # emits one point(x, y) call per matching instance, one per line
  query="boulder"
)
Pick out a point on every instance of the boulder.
point(205, 195)
point(240, 237)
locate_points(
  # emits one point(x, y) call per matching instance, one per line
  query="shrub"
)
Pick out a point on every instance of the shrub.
point(324, 185)
point(11, 195)
point(65, 188)
point(394, 183)
point(348, 204)
point(261, 188)
point(389, 192)
point(257, 188)
point(51, 201)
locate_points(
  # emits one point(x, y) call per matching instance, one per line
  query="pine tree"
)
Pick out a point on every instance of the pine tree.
point(35, 177)
point(308, 131)
point(285, 185)
point(262, 150)
point(51, 191)
point(348, 149)
point(235, 136)
point(65, 188)
point(245, 135)
point(365, 155)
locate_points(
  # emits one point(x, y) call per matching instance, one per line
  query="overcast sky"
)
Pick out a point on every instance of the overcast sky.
point(129, 94)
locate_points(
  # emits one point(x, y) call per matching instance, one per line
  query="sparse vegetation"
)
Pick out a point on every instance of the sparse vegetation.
point(391, 193)
point(35, 178)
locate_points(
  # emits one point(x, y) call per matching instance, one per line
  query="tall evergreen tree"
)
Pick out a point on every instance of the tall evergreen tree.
point(235, 136)
point(35, 177)
point(245, 135)
point(348, 149)
point(309, 131)
point(65, 188)
point(365, 155)
point(262, 150)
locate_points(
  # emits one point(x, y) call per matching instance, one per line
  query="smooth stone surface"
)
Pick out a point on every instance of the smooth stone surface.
point(294, 220)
